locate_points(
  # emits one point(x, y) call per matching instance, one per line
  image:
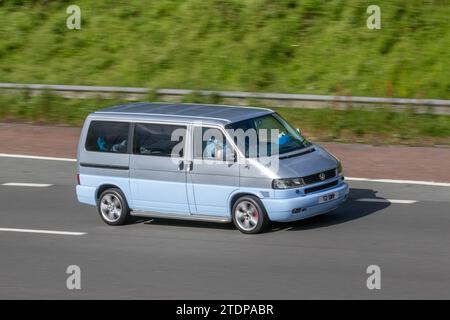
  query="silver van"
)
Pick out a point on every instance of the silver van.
point(203, 162)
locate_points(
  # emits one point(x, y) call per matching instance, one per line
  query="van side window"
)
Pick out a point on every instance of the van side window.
point(108, 136)
point(159, 139)
point(211, 144)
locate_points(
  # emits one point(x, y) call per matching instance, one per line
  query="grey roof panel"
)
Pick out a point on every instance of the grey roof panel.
point(185, 112)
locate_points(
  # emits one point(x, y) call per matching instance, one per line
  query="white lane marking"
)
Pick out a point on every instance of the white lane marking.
point(64, 233)
point(426, 183)
point(386, 200)
point(19, 184)
point(418, 182)
point(23, 156)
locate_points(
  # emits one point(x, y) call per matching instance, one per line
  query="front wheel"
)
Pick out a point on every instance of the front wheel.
point(249, 215)
point(113, 207)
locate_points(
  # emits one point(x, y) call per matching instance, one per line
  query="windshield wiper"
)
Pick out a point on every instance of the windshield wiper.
point(297, 154)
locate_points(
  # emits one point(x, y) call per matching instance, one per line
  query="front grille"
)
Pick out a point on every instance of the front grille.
point(322, 187)
point(314, 178)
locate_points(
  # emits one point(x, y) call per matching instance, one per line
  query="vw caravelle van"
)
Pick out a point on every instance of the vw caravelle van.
point(187, 161)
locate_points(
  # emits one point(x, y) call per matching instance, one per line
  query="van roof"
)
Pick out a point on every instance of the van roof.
point(185, 112)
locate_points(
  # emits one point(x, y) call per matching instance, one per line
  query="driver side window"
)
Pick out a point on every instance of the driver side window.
point(211, 144)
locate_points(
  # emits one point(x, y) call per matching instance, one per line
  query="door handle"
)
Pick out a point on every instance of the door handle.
point(180, 165)
point(189, 165)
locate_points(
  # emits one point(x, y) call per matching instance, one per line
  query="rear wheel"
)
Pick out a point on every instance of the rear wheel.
point(113, 207)
point(249, 215)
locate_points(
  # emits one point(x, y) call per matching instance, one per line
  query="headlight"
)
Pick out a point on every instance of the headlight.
point(339, 167)
point(287, 183)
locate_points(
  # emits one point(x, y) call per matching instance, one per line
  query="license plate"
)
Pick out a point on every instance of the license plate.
point(328, 197)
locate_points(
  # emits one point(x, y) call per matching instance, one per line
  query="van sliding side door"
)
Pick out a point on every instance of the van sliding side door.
point(157, 177)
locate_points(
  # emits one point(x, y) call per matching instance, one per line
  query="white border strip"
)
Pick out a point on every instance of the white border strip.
point(426, 183)
point(22, 156)
point(20, 184)
point(64, 233)
point(386, 200)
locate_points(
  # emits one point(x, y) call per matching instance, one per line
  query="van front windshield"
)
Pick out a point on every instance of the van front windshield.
point(288, 139)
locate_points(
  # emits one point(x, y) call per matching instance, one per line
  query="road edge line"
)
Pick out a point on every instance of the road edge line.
point(398, 181)
point(418, 182)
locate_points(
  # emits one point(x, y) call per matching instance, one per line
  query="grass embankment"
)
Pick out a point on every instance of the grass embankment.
point(304, 46)
point(378, 126)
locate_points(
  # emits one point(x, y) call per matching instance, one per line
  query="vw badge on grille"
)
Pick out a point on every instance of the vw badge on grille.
point(322, 176)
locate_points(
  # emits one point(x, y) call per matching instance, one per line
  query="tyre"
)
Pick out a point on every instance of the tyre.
point(249, 215)
point(113, 207)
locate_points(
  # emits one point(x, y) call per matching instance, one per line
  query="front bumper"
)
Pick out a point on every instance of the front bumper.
point(282, 209)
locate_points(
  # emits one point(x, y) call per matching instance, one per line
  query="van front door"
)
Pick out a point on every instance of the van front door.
point(157, 178)
point(213, 175)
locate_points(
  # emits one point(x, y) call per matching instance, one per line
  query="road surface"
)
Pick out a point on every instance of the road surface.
point(406, 232)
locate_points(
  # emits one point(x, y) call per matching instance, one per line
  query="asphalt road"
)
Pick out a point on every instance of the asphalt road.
point(321, 257)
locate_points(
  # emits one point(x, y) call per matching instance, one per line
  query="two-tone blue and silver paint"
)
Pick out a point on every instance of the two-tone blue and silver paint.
point(156, 186)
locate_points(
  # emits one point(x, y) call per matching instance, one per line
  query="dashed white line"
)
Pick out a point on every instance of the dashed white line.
point(23, 156)
point(386, 200)
point(20, 184)
point(64, 233)
point(417, 182)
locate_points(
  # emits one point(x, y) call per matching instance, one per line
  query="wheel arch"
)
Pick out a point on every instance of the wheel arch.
point(233, 197)
point(107, 186)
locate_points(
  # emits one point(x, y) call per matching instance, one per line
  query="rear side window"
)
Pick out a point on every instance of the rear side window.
point(159, 139)
point(108, 136)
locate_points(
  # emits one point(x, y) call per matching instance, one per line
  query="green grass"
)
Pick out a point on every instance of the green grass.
point(306, 46)
point(378, 126)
